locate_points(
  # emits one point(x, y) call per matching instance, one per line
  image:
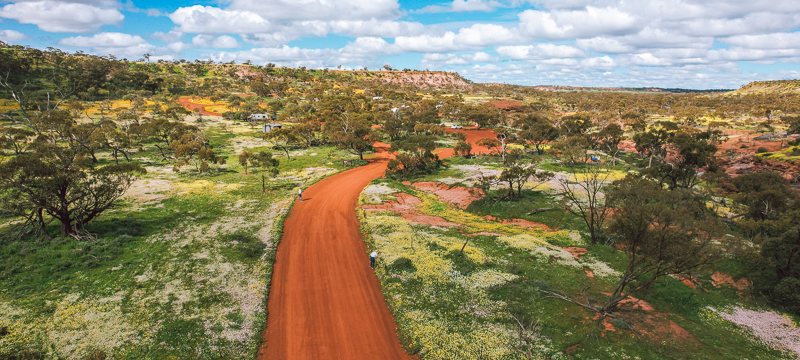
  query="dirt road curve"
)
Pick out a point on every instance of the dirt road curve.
point(325, 301)
point(187, 103)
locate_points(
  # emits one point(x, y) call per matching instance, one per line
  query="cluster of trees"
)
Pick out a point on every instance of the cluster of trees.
point(263, 161)
point(768, 215)
point(50, 168)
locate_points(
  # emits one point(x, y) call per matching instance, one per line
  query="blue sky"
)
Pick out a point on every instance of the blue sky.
point(662, 43)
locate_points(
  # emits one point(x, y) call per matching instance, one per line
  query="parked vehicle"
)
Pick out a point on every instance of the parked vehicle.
point(269, 127)
point(257, 117)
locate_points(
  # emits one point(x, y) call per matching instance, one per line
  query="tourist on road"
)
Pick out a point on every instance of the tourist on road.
point(372, 258)
point(300, 193)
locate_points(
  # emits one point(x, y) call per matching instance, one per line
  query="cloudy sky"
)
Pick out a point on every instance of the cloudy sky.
point(638, 43)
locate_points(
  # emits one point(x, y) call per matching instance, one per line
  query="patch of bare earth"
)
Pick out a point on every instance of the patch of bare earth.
point(658, 328)
point(148, 191)
point(722, 279)
point(458, 195)
point(655, 326)
point(405, 204)
point(577, 252)
point(570, 349)
point(429, 220)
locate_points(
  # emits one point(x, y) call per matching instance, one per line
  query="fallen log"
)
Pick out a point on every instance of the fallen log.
point(539, 210)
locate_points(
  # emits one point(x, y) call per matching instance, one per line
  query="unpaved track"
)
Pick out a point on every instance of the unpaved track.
point(325, 302)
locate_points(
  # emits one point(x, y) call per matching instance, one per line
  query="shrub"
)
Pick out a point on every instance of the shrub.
point(761, 150)
point(403, 264)
point(248, 246)
point(787, 294)
point(541, 284)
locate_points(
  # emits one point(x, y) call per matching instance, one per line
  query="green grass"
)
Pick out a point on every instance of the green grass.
point(174, 274)
point(560, 324)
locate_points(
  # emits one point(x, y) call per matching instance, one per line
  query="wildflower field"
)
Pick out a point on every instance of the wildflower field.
point(180, 269)
point(489, 302)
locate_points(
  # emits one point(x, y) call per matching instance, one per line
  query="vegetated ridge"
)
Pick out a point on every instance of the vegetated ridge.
point(767, 87)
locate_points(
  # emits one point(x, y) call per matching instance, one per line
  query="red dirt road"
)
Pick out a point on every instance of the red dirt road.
point(187, 103)
point(325, 301)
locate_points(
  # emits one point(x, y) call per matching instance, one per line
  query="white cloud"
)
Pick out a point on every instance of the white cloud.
point(766, 41)
point(562, 4)
point(124, 46)
point(604, 63)
point(742, 54)
point(430, 60)
point(225, 42)
point(648, 59)
point(576, 24)
point(372, 27)
point(647, 38)
point(605, 45)
point(216, 42)
point(170, 36)
point(461, 6)
point(200, 19)
point(53, 16)
point(103, 40)
point(272, 28)
point(369, 45)
point(539, 51)
point(270, 39)
point(98, 3)
point(296, 10)
point(475, 37)
point(12, 36)
point(761, 22)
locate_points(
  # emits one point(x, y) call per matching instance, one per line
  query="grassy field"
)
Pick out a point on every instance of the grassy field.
point(453, 306)
point(180, 269)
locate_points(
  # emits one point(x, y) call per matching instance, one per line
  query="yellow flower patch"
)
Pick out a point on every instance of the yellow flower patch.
point(204, 187)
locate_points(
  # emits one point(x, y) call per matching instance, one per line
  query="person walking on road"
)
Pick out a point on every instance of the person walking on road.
point(372, 257)
point(300, 193)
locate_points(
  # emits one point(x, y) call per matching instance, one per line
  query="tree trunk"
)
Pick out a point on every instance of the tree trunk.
point(539, 210)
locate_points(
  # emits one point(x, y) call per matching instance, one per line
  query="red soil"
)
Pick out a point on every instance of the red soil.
point(429, 220)
point(325, 302)
point(658, 328)
point(688, 282)
point(405, 204)
point(187, 103)
point(473, 135)
point(518, 222)
point(720, 279)
point(576, 252)
point(571, 349)
point(459, 195)
point(508, 105)
point(736, 156)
